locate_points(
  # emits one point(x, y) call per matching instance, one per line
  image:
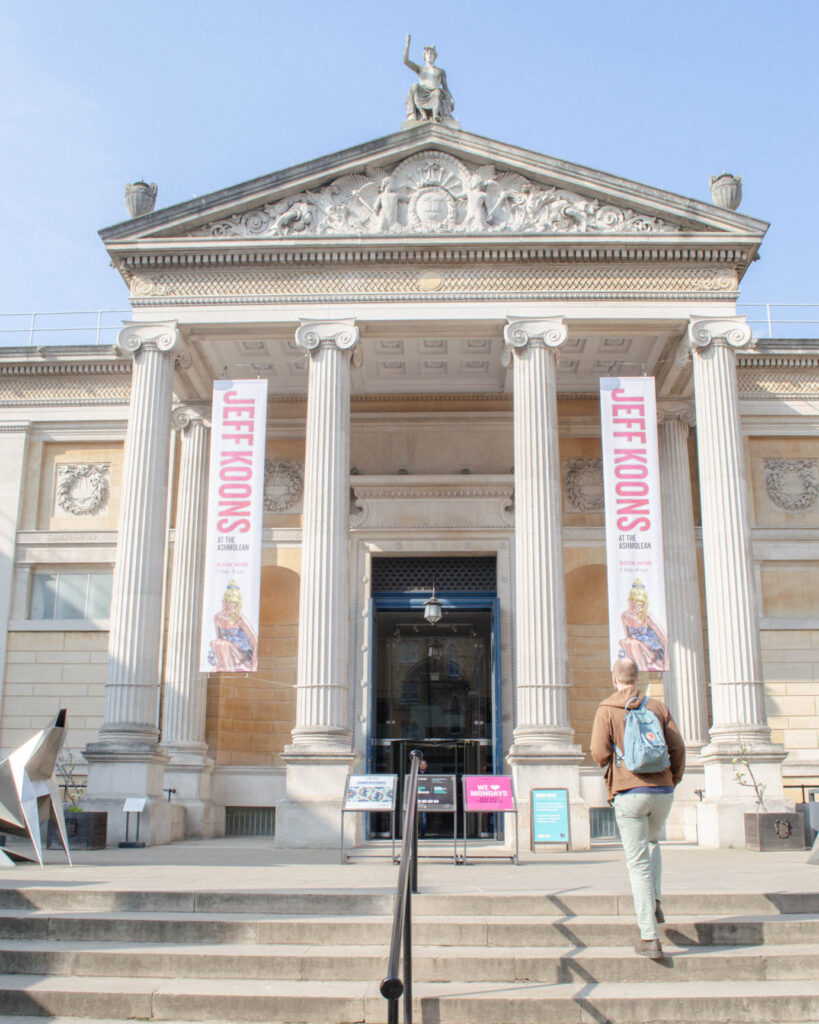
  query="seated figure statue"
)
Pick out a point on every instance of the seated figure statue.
point(429, 99)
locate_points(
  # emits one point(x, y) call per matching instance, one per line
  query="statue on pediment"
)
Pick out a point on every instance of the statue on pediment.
point(429, 98)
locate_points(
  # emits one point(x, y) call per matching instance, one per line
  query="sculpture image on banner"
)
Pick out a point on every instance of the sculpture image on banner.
point(233, 539)
point(235, 647)
point(644, 639)
point(634, 533)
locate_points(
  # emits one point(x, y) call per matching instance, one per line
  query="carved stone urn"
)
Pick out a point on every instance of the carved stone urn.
point(726, 190)
point(140, 198)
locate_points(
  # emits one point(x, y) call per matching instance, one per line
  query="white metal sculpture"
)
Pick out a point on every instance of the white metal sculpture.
point(28, 791)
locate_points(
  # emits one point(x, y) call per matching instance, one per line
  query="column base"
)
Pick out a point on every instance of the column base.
point(310, 815)
point(721, 815)
point(117, 773)
point(534, 766)
point(189, 772)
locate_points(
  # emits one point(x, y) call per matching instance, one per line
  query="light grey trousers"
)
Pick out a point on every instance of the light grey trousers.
point(640, 818)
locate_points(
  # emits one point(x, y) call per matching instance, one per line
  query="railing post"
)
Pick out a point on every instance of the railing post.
point(99, 325)
point(408, 958)
point(31, 330)
point(770, 324)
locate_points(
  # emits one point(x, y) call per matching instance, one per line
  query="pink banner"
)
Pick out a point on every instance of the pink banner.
point(634, 530)
point(488, 793)
point(233, 555)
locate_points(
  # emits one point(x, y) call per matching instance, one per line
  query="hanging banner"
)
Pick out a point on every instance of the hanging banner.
point(233, 555)
point(634, 534)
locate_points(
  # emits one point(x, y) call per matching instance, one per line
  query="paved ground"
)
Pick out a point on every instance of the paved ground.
point(254, 864)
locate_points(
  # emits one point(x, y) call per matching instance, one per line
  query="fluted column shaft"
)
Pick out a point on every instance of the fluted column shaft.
point(736, 688)
point(323, 697)
point(135, 637)
point(183, 718)
point(685, 683)
point(540, 597)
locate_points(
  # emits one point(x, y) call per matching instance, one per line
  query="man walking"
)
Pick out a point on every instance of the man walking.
point(641, 800)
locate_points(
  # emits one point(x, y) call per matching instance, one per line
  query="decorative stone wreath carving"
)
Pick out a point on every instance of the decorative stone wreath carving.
point(283, 485)
point(83, 488)
point(584, 484)
point(792, 484)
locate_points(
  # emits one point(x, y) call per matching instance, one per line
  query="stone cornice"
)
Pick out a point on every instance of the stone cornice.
point(232, 254)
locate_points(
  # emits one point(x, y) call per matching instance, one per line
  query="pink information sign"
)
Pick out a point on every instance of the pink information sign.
point(488, 793)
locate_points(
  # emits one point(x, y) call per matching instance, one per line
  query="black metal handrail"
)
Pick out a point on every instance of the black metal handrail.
point(392, 987)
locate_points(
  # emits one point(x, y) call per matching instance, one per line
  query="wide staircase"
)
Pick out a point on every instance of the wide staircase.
point(505, 958)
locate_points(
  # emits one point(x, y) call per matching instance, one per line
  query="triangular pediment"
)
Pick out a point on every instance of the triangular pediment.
point(433, 182)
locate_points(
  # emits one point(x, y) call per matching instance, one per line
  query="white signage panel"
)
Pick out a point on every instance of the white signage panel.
point(233, 556)
point(634, 533)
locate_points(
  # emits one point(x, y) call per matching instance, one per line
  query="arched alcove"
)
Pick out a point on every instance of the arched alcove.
point(250, 717)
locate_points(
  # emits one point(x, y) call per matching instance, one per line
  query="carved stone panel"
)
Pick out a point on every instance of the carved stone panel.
point(583, 479)
point(792, 484)
point(433, 193)
point(83, 489)
point(283, 486)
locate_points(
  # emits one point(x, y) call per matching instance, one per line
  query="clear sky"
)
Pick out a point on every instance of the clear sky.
point(199, 96)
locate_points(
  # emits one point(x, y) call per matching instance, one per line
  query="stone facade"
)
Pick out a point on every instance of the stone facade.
point(433, 362)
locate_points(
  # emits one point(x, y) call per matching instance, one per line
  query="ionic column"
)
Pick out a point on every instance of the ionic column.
point(540, 601)
point(736, 667)
point(189, 770)
point(737, 699)
point(183, 718)
point(126, 761)
point(685, 682)
point(132, 689)
point(323, 696)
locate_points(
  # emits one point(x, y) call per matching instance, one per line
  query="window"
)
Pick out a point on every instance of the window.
point(70, 595)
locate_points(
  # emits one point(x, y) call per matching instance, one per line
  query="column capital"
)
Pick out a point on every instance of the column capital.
point(164, 336)
point(183, 416)
point(313, 334)
point(548, 332)
point(674, 409)
point(732, 331)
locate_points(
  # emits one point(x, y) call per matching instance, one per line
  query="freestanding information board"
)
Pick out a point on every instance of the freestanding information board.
point(370, 793)
point(490, 794)
point(436, 794)
point(550, 817)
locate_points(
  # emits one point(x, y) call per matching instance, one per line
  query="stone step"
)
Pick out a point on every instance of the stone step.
point(430, 963)
point(334, 1002)
point(505, 904)
point(751, 930)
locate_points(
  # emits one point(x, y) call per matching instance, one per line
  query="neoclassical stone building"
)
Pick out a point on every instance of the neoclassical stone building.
point(433, 311)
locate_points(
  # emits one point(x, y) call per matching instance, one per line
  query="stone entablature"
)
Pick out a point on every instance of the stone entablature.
point(433, 193)
point(375, 283)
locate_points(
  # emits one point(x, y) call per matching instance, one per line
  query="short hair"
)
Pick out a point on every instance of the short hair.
point(625, 670)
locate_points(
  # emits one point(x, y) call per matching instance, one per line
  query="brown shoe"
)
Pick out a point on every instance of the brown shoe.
point(650, 948)
point(659, 916)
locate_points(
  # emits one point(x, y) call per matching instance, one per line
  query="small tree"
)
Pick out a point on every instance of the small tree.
point(744, 774)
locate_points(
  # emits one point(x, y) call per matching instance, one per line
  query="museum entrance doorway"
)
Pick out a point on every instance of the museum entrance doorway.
point(435, 690)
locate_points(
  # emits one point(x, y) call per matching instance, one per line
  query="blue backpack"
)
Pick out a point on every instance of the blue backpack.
point(646, 750)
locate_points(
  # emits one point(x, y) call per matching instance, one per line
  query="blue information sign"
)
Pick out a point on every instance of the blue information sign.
point(550, 816)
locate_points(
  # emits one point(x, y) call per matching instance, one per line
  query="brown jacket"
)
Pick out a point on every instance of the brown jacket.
point(609, 726)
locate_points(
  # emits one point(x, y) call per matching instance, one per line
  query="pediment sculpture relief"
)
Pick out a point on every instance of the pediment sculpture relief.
point(433, 193)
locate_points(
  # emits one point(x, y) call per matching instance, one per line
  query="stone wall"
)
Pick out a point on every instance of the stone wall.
point(46, 671)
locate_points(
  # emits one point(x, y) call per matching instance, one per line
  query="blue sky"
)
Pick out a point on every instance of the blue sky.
point(198, 96)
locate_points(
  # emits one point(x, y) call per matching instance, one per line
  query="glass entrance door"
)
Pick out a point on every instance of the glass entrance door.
point(434, 691)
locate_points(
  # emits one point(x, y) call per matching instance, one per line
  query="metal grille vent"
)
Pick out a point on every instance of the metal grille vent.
point(461, 574)
point(250, 821)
